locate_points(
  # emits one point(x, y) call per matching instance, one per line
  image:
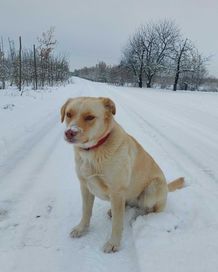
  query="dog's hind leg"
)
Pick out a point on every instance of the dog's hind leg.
point(153, 198)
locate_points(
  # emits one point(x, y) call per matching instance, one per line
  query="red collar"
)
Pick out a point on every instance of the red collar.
point(100, 142)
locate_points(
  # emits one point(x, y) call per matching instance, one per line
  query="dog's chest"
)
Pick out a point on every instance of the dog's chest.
point(95, 180)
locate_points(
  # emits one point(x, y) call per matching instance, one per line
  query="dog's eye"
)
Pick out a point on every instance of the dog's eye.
point(89, 117)
point(69, 115)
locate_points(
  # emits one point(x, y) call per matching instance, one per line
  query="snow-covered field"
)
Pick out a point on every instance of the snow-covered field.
point(40, 197)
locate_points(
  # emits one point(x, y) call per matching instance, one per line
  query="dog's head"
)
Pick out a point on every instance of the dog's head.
point(87, 119)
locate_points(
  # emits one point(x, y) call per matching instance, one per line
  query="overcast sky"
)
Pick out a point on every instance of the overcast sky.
point(89, 31)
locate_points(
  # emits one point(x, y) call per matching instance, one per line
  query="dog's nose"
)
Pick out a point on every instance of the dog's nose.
point(70, 133)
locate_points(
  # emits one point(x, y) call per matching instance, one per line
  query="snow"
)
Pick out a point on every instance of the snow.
point(40, 197)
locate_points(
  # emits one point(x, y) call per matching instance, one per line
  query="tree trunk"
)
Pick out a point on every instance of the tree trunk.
point(148, 83)
point(177, 71)
point(182, 50)
point(176, 81)
point(140, 81)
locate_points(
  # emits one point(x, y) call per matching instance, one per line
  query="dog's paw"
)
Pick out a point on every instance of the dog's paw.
point(110, 247)
point(78, 231)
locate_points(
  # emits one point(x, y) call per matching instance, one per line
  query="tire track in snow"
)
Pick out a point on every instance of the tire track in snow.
point(192, 160)
point(28, 159)
point(23, 179)
point(26, 231)
point(29, 240)
point(23, 165)
point(38, 130)
point(207, 132)
point(25, 161)
point(13, 160)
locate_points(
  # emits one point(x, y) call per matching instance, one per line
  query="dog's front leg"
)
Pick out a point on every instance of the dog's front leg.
point(117, 208)
point(87, 205)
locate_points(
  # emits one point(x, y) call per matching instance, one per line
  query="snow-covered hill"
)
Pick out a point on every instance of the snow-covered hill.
point(40, 197)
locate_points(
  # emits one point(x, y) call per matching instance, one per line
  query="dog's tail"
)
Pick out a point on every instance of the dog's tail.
point(176, 184)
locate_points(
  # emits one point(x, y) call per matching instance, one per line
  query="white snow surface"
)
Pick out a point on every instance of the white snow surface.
point(40, 197)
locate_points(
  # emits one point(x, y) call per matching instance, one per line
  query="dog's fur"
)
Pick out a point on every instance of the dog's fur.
point(118, 170)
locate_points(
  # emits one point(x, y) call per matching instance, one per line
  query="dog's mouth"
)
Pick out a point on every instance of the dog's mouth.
point(73, 140)
point(70, 140)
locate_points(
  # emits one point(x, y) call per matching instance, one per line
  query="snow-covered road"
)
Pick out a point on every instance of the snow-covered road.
point(40, 196)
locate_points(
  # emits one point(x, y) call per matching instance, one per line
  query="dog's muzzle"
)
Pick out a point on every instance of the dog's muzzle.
point(71, 132)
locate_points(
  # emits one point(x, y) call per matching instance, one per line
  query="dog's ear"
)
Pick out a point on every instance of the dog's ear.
point(109, 104)
point(63, 108)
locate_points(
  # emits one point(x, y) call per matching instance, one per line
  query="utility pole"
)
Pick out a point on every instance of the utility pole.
point(3, 63)
point(20, 64)
point(35, 67)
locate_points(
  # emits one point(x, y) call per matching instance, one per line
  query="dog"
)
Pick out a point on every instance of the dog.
point(111, 165)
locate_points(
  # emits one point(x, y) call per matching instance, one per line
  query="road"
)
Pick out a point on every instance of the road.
point(40, 197)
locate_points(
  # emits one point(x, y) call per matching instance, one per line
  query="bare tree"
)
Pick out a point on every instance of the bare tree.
point(148, 49)
point(12, 63)
point(159, 41)
point(46, 45)
point(194, 75)
point(101, 72)
point(134, 55)
point(36, 67)
point(181, 58)
point(120, 75)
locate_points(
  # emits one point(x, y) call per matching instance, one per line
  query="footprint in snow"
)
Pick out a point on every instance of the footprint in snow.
point(3, 214)
point(8, 107)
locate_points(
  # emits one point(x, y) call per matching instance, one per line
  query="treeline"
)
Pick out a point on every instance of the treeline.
point(101, 72)
point(36, 67)
point(156, 55)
